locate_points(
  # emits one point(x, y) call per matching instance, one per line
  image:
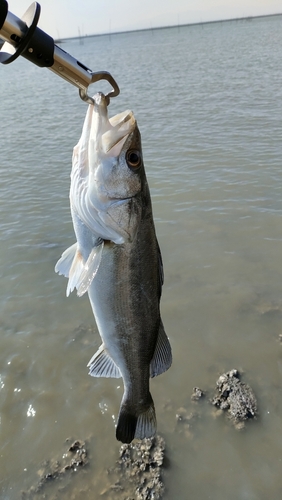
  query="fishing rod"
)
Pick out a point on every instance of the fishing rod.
point(22, 37)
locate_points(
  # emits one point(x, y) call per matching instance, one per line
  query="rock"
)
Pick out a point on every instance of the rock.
point(236, 397)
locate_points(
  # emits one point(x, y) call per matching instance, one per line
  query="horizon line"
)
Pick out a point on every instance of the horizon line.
point(107, 33)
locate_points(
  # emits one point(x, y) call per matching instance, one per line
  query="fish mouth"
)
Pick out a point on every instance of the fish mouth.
point(111, 133)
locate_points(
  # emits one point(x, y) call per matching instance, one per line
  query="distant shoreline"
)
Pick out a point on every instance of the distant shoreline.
point(248, 18)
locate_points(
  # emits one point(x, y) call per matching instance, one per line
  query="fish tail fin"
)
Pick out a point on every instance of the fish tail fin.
point(126, 426)
point(134, 424)
point(146, 423)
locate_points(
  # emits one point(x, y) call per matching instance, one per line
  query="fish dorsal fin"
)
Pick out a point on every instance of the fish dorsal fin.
point(90, 269)
point(162, 358)
point(102, 365)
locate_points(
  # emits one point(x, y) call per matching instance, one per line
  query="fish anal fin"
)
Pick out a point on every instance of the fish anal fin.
point(102, 365)
point(162, 357)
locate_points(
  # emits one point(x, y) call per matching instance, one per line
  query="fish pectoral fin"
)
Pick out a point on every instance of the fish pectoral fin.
point(90, 269)
point(162, 357)
point(102, 365)
point(64, 263)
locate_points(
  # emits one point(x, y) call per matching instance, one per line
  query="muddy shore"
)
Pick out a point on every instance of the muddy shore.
point(138, 471)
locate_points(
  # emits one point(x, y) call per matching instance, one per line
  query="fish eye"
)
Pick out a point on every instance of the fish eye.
point(133, 158)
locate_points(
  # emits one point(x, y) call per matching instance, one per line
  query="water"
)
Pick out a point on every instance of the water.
point(208, 100)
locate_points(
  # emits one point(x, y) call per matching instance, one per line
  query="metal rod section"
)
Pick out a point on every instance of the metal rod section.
point(70, 69)
point(13, 29)
point(23, 37)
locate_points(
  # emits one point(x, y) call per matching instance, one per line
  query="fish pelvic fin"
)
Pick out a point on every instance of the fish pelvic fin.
point(64, 263)
point(162, 357)
point(75, 271)
point(90, 269)
point(136, 426)
point(70, 265)
point(102, 365)
point(80, 273)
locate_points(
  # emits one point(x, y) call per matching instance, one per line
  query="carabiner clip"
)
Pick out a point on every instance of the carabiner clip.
point(96, 77)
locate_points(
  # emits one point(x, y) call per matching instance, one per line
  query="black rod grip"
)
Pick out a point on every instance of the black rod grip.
point(31, 42)
point(40, 49)
point(3, 12)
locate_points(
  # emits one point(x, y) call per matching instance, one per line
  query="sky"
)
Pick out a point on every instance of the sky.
point(70, 18)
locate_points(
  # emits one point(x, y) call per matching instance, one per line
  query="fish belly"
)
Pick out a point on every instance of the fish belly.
point(128, 319)
point(127, 315)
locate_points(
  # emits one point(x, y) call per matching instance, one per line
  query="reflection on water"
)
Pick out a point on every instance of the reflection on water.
point(208, 103)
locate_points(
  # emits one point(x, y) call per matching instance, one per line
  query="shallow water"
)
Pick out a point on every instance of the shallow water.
point(208, 100)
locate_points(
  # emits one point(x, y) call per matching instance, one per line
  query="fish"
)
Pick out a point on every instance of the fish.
point(117, 260)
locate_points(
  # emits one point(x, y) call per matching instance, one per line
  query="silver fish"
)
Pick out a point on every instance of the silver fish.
point(117, 260)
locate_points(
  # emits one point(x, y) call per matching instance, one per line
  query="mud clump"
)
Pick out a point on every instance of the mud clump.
point(236, 397)
point(72, 460)
point(197, 394)
point(138, 471)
